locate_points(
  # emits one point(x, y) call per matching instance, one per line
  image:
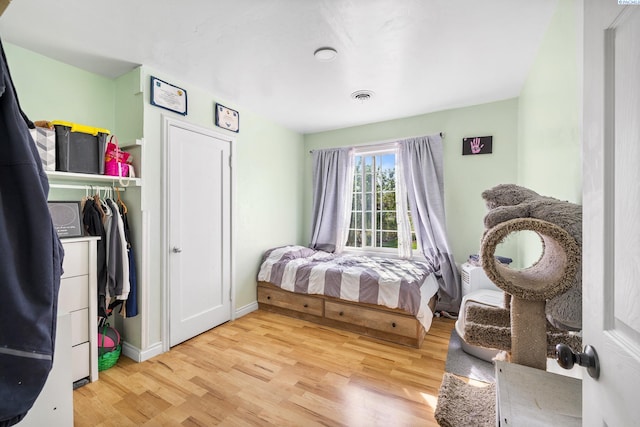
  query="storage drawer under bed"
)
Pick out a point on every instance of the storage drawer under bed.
point(398, 324)
point(285, 299)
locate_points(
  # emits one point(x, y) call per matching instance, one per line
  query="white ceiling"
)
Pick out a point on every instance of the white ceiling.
point(417, 56)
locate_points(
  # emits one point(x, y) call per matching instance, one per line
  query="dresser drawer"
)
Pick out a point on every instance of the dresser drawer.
point(283, 299)
point(79, 326)
point(399, 324)
point(80, 361)
point(76, 255)
point(74, 294)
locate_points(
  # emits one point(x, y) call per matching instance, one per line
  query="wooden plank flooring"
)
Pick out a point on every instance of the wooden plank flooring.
point(267, 369)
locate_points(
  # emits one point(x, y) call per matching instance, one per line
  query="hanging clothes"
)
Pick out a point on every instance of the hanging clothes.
point(131, 307)
point(120, 254)
point(30, 265)
point(92, 219)
point(118, 285)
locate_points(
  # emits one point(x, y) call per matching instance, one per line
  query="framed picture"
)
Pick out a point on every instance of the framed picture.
point(66, 218)
point(168, 96)
point(227, 118)
point(477, 145)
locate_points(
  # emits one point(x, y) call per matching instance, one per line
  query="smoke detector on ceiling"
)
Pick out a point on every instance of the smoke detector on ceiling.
point(325, 54)
point(362, 95)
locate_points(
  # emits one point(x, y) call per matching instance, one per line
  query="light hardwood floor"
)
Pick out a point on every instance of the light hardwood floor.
point(268, 369)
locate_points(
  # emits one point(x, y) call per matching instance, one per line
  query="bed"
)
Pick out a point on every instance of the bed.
point(388, 299)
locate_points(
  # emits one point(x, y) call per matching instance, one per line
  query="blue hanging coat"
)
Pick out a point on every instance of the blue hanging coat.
point(30, 262)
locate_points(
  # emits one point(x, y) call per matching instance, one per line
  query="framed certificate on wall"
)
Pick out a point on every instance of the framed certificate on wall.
point(227, 118)
point(168, 96)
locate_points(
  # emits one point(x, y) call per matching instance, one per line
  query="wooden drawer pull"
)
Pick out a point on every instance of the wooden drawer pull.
point(393, 324)
point(268, 296)
point(341, 313)
point(306, 305)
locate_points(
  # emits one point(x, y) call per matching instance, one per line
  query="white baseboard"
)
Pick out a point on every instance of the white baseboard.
point(138, 355)
point(243, 311)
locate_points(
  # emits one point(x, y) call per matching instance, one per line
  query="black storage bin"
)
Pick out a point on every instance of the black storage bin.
point(80, 148)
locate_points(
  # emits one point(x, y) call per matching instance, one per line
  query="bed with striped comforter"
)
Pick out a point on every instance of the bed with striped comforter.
point(393, 283)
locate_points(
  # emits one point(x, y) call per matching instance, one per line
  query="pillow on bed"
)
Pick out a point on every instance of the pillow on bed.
point(296, 252)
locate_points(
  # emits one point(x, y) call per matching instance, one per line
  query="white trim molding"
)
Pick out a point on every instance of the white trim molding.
point(138, 355)
point(243, 311)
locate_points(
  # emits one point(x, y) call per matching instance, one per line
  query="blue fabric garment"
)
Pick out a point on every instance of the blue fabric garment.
point(131, 307)
point(30, 262)
point(132, 301)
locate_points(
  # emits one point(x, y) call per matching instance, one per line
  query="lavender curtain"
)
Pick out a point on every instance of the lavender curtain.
point(332, 187)
point(422, 168)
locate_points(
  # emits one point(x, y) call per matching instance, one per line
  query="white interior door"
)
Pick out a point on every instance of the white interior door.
point(199, 230)
point(611, 203)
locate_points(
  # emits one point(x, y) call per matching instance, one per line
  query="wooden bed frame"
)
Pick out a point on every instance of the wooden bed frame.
point(376, 321)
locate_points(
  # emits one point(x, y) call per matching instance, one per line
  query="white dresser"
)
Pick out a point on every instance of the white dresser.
point(78, 297)
point(76, 351)
point(54, 406)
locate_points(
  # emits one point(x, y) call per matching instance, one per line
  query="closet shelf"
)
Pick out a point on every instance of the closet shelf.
point(57, 176)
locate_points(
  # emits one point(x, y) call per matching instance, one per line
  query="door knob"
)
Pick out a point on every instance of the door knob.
point(176, 250)
point(589, 359)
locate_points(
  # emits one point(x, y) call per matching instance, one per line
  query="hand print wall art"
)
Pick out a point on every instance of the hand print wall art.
point(477, 145)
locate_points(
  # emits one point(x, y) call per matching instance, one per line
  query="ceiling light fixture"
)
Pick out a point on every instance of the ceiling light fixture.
point(325, 54)
point(362, 95)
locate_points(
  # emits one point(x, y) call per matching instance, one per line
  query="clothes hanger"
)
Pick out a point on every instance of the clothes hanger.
point(103, 199)
point(120, 202)
point(98, 202)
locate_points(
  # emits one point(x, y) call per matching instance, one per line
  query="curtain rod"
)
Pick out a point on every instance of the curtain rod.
point(84, 187)
point(375, 144)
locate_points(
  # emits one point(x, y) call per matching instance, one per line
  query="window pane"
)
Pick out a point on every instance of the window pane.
point(368, 201)
point(351, 240)
point(356, 220)
point(368, 238)
point(368, 220)
point(368, 187)
point(357, 182)
point(355, 238)
point(357, 163)
point(387, 201)
point(357, 202)
point(387, 172)
point(389, 239)
point(388, 221)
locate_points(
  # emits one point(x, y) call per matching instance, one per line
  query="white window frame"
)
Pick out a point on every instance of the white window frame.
point(386, 148)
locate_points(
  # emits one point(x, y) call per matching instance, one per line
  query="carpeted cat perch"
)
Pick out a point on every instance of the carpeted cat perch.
point(528, 291)
point(521, 329)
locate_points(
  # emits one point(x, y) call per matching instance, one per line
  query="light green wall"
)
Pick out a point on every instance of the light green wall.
point(549, 149)
point(51, 90)
point(535, 137)
point(465, 177)
point(268, 189)
point(268, 165)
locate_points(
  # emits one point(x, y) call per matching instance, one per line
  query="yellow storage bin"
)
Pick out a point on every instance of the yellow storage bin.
point(80, 148)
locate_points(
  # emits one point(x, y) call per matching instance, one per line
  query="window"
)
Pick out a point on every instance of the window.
point(374, 223)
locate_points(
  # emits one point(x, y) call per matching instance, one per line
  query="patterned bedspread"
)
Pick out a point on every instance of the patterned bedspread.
point(394, 283)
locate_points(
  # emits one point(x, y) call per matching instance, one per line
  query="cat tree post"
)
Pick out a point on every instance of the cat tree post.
point(528, 323)
point(529, 288)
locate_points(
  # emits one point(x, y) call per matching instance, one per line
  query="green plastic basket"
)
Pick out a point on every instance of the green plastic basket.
point(107, 360)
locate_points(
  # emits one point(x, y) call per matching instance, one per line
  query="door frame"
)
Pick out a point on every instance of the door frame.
point(618, 351)
point(167, 122)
